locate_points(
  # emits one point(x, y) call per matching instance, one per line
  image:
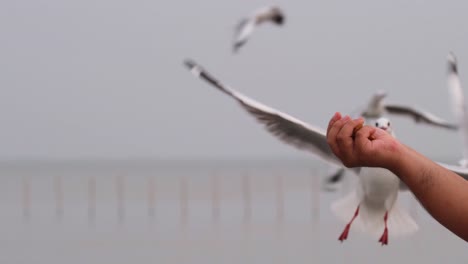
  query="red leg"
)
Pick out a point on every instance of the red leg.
point(344, 235)
point(384, 238)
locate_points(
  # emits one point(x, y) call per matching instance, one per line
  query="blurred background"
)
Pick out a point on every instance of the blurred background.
point(112, 152)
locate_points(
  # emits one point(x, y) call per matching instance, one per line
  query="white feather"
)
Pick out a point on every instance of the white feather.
point(457, 101)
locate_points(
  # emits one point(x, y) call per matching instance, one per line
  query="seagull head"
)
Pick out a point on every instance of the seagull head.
point(375, 107)
point(452, 62)
point(384, 123)
point(379, 95)
point(451, 57)
point(277, 15)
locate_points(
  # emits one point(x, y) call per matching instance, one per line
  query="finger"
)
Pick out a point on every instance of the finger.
point(335, 117)
point(363, 141)
point(345, 138)
point(378, 133)
point(359, 125)
point(370, 133)
point(332, 133)
point(336, 123)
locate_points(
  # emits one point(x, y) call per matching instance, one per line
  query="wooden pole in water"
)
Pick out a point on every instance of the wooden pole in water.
point(216, 208)
point(279, 198)
point(91, 200)
point(58, 197)
point(26, 198)
point(247, 197)
point(120, 189)
point(151, 198)
point(183, 187)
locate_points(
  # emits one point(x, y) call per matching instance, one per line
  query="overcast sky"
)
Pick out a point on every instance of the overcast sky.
point(104, 78)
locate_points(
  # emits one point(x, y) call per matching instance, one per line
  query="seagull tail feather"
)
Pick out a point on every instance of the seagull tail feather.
point(370, 219)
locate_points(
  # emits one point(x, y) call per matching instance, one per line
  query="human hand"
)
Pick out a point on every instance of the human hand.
point(361, 146)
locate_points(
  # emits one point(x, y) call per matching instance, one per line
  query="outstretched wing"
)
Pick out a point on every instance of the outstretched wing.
point(287, 128)
point(419, 115)
point(458, 103)
point(455, 89)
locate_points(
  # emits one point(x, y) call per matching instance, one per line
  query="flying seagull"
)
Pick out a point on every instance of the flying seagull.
point(373, 206)
point(381, 191)
point(247, 25)
point(374, 200)
point(377, 108)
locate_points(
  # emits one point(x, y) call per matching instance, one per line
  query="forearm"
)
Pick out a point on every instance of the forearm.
point(443, 193)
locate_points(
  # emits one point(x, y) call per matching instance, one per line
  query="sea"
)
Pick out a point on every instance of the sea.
point(195, 211)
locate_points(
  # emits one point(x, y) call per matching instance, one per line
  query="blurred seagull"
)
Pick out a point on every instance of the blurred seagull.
point(247, 25)
point(376, 108)
point(458, 104)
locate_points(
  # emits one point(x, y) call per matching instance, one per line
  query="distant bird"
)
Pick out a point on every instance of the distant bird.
point(247, 25)
point(378, 189)
point(376, 108)
point(458, 104)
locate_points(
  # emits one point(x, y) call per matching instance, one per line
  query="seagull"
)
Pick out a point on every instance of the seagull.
point(376, 108)
point(380, 184)
point(373, 205)
point(247, 25)
point(458, 104)
point(374, 201)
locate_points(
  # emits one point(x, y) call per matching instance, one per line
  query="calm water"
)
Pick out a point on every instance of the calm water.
point(193, 212)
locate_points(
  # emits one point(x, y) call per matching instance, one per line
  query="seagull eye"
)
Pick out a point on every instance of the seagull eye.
point(388, 124)
point(376, 124)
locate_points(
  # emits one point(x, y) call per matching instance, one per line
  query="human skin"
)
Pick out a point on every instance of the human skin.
point(443, 193)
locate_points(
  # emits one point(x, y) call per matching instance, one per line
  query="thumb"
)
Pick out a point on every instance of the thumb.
point(377, 133)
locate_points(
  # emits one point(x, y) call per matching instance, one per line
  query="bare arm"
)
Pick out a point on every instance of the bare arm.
point(443, 193)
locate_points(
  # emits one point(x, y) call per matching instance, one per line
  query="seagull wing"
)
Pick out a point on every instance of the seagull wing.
point(243, 31)
point(455, 89)
point(419, 115)
point(336, 175)
point(287, 128)
point(458, 102)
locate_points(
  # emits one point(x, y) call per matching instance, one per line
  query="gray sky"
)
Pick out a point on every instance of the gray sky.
point(104, 79)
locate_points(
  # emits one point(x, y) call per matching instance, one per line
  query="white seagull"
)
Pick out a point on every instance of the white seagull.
point(373, 206)
point(247, 25)
point(377, 108)
point(374, 201)
point(381, 185)
point(458, 104)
